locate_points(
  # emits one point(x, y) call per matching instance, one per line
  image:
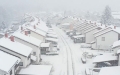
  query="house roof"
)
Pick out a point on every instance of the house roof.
point(45, 44)
point(28, 38)
point(15, 47)
point(4, 65)
point(110, 70)
point(78, 36)
point(42, 27)
point(108, 27)
point(52, 35)
point(52, 39)
point(40, 32)
point(36, 70)
point(7, 61)
point(116, 43)
point(104, 58)
point(115, 30)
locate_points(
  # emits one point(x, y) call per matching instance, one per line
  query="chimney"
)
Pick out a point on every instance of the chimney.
point(34, 27)
point(6, 35)
point(26, 33)
point(12, 38)
point(114, 27)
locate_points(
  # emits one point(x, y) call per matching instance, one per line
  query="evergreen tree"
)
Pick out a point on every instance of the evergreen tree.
point(106, 18)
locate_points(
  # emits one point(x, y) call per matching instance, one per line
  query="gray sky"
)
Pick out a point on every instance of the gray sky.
point(83, 5)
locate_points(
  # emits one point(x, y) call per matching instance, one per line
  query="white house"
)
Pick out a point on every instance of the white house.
point(105, 39)
point(17, 49)
point(39, 34)
point(89, 37)
point(9, 64)
point(29, 41)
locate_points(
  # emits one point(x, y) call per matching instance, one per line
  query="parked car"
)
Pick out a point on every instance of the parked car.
point(83, 59)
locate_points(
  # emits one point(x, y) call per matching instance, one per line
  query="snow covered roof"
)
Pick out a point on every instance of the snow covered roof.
point(37, 31)
point(15, 47)
point(52, 35)
point(42, 27)
point(28, 39)
point(45, 44)
point(117, 29)
point(115, 44)
point(36, 70)
point(110, 70)
point(78, 36)
point(52, 39)
point(105, 28)
point(104, 58)
point(7, 61)
point(118, 51)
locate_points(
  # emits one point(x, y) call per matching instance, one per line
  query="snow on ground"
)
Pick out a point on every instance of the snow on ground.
point(59, 61)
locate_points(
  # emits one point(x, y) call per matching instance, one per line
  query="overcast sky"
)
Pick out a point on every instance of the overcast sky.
point(83, 5)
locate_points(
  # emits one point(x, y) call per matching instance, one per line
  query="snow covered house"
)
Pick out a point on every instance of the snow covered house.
point(116, 46)
point(104, 37)
point(17, 49)
point(89, 37)
point(38, 34)
point(8, 67)
point(31, 42)
point(53, 41)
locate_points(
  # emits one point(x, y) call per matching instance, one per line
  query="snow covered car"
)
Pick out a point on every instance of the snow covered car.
point(52, 53)
point(83, 59)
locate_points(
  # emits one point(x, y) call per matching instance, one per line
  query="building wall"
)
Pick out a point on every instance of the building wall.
point(24, 59)
point(110, 38)
point(89, 37)
point(35, 49)
point(37, 36)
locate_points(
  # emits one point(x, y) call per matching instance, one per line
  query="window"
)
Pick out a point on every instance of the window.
point(21, 64)
point(103, 38)
point(34, 53)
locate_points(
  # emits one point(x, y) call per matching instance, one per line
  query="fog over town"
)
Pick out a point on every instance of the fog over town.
point(59, 37)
